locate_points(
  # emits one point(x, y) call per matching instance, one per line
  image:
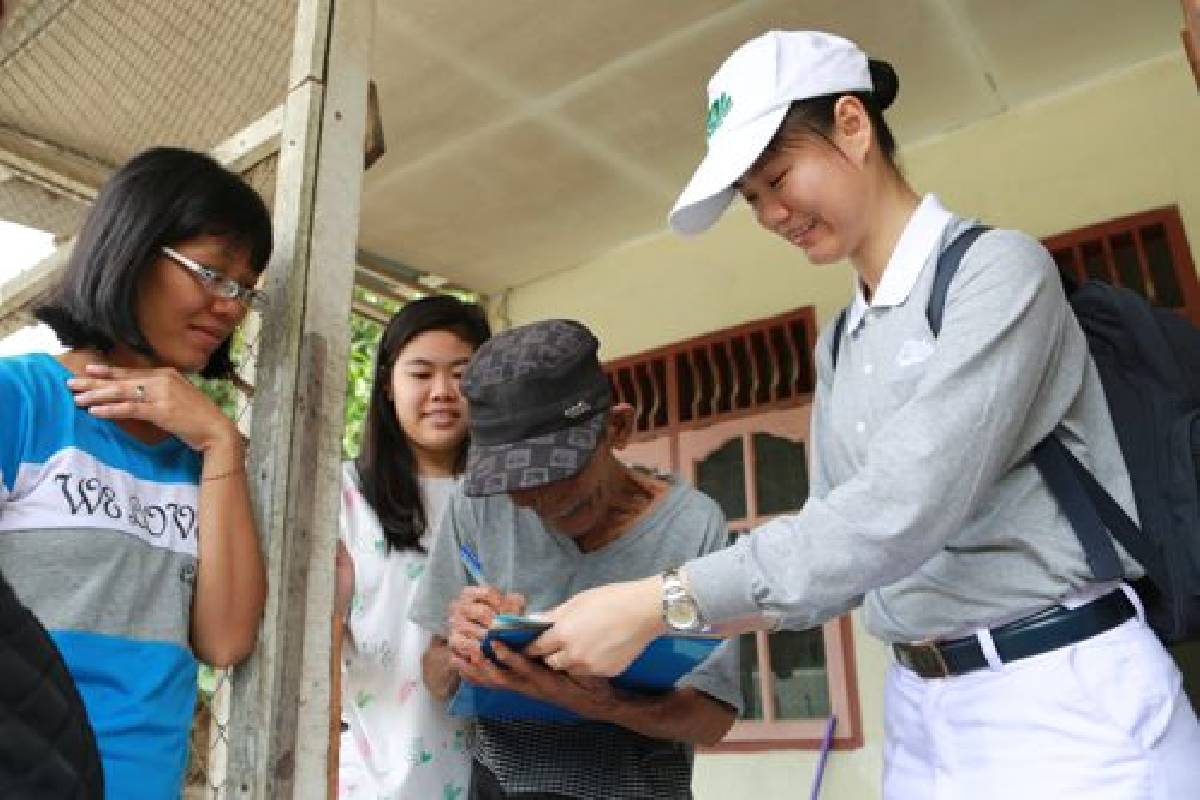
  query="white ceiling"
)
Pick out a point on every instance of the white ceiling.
point(526, 137)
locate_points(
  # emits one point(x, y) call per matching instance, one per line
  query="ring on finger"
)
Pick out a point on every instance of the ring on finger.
point(139, 393)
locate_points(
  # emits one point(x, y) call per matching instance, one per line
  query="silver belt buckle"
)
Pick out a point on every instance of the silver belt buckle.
point(923, 658)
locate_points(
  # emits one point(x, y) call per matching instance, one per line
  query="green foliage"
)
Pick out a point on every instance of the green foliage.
point(220, 392)
point(360, 369)
point(206, 681)
point(223, 393)
point(360, 366)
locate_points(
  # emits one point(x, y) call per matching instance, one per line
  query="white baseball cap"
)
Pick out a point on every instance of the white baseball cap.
point(747, 100)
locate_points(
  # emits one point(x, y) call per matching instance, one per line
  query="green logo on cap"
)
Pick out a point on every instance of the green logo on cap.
point(717, 111)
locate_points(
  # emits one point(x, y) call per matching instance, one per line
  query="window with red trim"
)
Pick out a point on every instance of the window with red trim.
point(1146, 252)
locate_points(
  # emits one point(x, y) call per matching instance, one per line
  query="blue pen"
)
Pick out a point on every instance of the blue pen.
point(471, 562)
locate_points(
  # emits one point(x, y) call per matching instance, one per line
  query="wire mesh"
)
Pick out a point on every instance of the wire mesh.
point(100, 80)
point(209, 741)
point(108, 78)
point(97, 81)
point(262, 178)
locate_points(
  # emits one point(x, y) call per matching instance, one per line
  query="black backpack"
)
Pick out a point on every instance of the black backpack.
point(1149, 364)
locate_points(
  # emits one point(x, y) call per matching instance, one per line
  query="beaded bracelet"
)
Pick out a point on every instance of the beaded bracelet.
point(220, 475)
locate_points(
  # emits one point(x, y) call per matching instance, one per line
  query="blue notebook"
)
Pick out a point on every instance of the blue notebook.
point(664, 661)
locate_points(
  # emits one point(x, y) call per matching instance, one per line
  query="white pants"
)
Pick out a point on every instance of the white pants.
point(1105, 719)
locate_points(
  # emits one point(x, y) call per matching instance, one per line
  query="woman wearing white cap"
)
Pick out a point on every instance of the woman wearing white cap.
point(1017, 670)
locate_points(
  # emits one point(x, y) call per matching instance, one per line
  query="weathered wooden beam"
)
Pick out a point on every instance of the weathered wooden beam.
point(1191, 35)
point(335, 234)
point(368, 276)
point(26, 288)
point(69, 174)
point(370, 312)
point(14, 322)
point(373, 283)
point(281, 701)
point(373, 144)
point(254, 143)
point(52, 167)
point(401, 274)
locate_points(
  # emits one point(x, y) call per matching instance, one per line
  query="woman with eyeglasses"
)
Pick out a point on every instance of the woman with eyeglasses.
point(125, 521)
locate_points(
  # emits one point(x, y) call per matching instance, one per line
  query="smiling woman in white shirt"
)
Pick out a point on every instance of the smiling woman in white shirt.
point(398, 740)
point(925, 508)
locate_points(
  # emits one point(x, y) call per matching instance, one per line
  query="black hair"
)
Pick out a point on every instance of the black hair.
point(162, 196)
point(814, 115)
point(386, 466)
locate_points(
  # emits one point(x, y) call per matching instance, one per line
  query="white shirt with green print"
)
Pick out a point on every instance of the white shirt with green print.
point(400, 742)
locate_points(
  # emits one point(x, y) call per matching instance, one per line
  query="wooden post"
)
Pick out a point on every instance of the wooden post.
point(1191, 35)
point(281, 699)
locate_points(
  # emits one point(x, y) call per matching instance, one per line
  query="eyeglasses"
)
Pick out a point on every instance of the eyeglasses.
point(217, 283)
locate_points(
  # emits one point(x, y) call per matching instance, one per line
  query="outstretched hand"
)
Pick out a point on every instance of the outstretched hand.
point(601, 631)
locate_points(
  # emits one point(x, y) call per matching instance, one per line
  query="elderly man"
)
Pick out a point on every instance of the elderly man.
point(550, 511)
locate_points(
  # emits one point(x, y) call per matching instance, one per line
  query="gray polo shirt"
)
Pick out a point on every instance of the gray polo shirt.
point(518, 554)
point(924, 505)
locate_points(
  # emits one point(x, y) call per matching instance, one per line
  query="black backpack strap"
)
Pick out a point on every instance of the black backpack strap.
point(1075, 490)
point(1091, 510)
point(947, 265)
point(839, 328)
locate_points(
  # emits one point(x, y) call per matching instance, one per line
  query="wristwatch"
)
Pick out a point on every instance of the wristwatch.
point(680, 611)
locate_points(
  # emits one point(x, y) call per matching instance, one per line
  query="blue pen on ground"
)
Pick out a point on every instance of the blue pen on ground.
point(471, 562)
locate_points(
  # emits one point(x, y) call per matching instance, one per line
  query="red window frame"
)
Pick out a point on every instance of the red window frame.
point(749, 378)
point(1072, 250)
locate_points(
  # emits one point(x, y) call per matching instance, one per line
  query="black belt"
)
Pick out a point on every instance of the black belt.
point(1047, 630)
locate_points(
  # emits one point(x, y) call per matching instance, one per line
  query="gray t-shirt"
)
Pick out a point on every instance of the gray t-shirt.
point(518, 554)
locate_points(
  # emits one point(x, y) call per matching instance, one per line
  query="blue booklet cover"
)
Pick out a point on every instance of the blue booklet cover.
point(664, 661)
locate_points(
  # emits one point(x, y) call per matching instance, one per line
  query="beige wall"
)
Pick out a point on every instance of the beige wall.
point(1123, 144)
point(788, 774)
point(1113, 147)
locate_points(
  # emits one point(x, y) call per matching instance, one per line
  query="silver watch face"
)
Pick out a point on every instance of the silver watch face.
point(682, 614)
